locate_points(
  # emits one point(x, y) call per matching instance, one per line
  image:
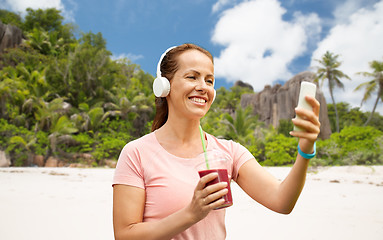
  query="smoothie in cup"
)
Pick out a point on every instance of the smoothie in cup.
point(217, 162)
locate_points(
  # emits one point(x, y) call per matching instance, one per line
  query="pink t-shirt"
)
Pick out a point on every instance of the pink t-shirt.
point(169, 181)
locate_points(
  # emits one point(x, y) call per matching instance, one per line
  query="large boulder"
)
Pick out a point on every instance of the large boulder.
point(4, 160)
point(278, 102)
point(51, 162)
point(10, 36)
point(38, 160)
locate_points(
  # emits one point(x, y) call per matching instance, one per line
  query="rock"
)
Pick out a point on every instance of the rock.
point(61, 164)
point(239, 83)
point(38, 160)
point(278, 102)
point(52, 162)
point(111, 163)
point(85, 158)
point(4, 160)
point(10, 36)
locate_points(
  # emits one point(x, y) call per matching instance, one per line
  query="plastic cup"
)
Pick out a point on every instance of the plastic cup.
point(219, 163)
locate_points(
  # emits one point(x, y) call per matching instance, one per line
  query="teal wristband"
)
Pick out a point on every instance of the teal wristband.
point(305, 155)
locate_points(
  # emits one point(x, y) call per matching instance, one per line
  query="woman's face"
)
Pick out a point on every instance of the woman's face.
point(192, 87)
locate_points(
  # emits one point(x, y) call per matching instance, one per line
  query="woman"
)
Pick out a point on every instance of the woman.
point(157, 192)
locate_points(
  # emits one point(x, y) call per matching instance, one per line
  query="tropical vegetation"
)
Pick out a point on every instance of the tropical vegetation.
point(63, 95)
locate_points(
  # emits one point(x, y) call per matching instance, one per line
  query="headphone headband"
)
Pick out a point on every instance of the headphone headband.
point(160, 61)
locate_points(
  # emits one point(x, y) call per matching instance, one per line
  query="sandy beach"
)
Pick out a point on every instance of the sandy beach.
point(69, 203)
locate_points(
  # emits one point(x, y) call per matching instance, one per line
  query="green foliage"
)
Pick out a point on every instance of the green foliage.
point(7, 131)
point(48, 24)
point(372, 86)
point(280, 150)
point(354, 145)
point(239, 126)
point(84, 143)
point(25, 54)
point(256, 147)
point(42, 142)
point(376, 120)
point(11, 18)
point(49, 19)
point(285, 126)
point(352, 117)
point(211, 123)
point(229, 100)
point(108, 147)
point(20, 143)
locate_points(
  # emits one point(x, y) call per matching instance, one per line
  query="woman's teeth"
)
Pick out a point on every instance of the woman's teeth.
point(199, 100)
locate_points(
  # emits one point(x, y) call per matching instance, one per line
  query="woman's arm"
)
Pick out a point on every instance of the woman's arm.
point(265, 188)
point(128, 210)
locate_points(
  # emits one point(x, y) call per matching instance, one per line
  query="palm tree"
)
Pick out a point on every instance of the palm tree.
point(39, 40)
point(89, 119)
point(331, 72)
point(371, 86)
point(241, 125)
point(60, 132)
point(48, 112)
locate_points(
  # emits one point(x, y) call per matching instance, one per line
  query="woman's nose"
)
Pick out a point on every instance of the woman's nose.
point(201, 86)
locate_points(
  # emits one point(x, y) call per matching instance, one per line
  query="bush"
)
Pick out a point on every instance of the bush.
point(354, 145)
point(42, 143)
point(16, 141)
point(285, 126)
point(85, 143)
point(280, 150)
point(109, 147)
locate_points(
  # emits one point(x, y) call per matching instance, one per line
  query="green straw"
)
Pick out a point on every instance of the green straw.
point(204, 147)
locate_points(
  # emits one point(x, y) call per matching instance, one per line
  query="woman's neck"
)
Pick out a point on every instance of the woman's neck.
point(181, 130)
point(180, 139)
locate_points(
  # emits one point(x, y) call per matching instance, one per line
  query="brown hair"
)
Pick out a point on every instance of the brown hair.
point(168, 67)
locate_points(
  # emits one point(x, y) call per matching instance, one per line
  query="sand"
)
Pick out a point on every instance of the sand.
point(69, 203)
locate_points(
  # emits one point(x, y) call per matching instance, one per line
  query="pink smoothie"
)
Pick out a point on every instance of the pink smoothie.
point(222, 177)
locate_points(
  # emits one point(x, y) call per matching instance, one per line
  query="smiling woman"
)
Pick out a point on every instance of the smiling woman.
point(157, 190)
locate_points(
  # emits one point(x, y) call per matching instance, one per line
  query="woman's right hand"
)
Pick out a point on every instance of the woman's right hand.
point(206, 198)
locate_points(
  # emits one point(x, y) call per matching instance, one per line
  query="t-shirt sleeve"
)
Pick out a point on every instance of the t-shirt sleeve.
point(240, 156)
point(129, 169)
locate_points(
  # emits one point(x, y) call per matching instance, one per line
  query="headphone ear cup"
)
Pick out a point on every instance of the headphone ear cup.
point(215, 93)
point(161, 87)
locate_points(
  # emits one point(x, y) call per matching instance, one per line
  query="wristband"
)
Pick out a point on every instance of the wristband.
point(305, 155)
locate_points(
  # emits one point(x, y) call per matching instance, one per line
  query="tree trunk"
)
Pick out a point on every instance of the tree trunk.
point(336, 110)
point(374, 108)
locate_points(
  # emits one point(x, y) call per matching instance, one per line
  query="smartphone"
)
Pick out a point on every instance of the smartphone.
point(307, 89)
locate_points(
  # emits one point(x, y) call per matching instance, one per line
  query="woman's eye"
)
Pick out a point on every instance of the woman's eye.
point(191, 77)
point(210, 81)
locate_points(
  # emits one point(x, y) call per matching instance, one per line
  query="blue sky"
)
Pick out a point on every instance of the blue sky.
point(258, 41)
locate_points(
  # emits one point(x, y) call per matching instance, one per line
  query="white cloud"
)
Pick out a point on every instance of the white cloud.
point(358, 42)
point(346, 8)
point(20, 6)
point(259, 44)
point(219, 5)
point(129, 56)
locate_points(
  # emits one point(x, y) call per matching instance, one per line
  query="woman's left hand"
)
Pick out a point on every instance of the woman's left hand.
point(310, 124)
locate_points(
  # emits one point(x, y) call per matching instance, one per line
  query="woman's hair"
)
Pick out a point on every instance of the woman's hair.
point(168, 67)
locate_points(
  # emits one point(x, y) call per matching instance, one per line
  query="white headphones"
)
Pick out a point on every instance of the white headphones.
point(161, 85)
